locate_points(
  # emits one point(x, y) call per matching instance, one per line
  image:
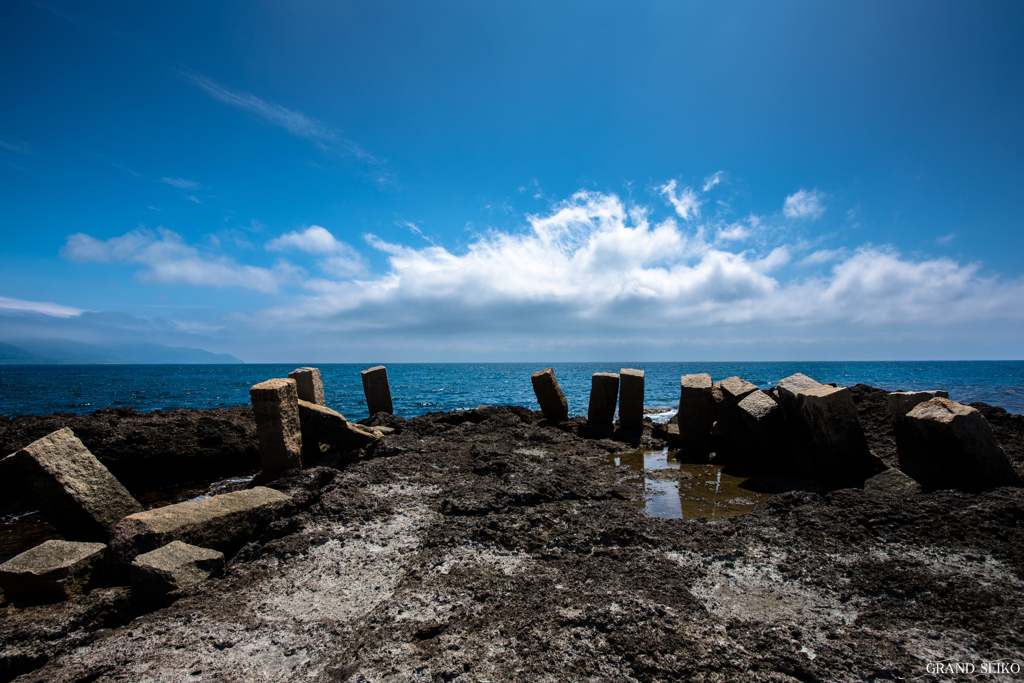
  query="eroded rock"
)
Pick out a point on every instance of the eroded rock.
point(695, 415)
point(275, 404)
point(309, 385)
point(377, 390)
point(631, 400)
point(172, 567)
point(604, 393)
point(549, 395)
point(53, 570)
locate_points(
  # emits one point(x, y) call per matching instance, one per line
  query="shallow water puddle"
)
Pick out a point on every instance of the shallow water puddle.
point(676, 490)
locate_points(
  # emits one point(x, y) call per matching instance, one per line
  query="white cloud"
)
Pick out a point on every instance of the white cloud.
point(713, 180)
point(181, 183)
point(804, 204)
point(686, 203)
point(44, 307)
point(946, 239)
point(339, 258)
point(732, 233)
point(822, 256)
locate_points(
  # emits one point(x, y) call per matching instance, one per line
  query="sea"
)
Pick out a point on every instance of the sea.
point(418, 388)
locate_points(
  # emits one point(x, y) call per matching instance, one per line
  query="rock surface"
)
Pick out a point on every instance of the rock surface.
point(549, 395)
point(309, 385)
point(173, 567)
point(758, 436)
point(377, 390)
point(275, 403)
point(892, 482)
point(54, 570)
point(631, 400)
point(604, 394)
point(694, 416)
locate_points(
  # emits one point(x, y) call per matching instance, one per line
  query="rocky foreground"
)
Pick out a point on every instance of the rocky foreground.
point(490, 545)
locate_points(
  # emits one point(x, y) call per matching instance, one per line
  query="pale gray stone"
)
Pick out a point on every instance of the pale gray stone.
point(695, 415)
point(309, 385)
point(377, 390)
point(275, 404)
point(604, 394)
point(172, 567)
point(631, 400)
point(549, 395)
point(54, 570)
point(75, 492)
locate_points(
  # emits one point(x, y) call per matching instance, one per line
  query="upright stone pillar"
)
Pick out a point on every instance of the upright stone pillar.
point(276, 405)
point(377, 390)
point(695, 414)
point(549, 395)
point(309, 384)
point(631, 400)
point(604, 393)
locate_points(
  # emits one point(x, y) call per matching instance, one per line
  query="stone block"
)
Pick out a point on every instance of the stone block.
point(732, 391)
point(695, 415)
point(54, 570)
point(276, 406)
point(309, 385)
point(892, 482)
point(323, 425)
point(951, 446)
point(631, 400)
point(735, 389)
point(549, 395)
point(902, 402)
point(172, 567)
point(377, 390)
point(604, 394)
point(224, 522)
point(757, 439)
point(75, 492)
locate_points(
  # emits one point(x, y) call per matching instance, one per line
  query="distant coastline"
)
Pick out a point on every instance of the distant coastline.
point(69, 352)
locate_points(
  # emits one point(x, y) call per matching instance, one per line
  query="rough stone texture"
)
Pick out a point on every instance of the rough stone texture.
point(225, 522)
point(275, 403)
point(902, 402)
point(377, 390)
point(549, 395)
point(758, 437)
point(631, 400)
point(309, 385)
point(892, 482)
point(873, 414)
point(54, 570)
point(696, 407)
point(736, 389)
point(323, 425)
point(950, 445)
point(604, 393)
point(733, 390)
point(175, 566)
point(76, 493)
point(1009, 432)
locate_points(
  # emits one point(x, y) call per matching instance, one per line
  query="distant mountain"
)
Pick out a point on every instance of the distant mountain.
point(67, 351)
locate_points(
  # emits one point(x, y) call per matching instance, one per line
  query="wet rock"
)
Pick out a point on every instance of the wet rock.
point(604, 393)
point(54, 570)
point(950, 445)
point(275, 404)
point(631, 400)
point(377, 390)
point(696, 407)
point(225, 522)
point(309, 385)
point(76, 493)
point(175, 566)
point(549, 395)
point(892, 482)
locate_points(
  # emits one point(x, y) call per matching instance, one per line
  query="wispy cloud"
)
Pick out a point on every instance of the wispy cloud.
point(181, 183)
point(20, 149)
point(686, 203)
point(946, 239)
point(804, 204)
point(713, 180)
point(44, 307)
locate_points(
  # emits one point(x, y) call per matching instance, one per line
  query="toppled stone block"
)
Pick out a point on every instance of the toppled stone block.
point(224, 522)
point(75, 492)
point(758, 437)
point(309, 385)
point(951, 446)
point(695, 415)
point(892, 482)
point(902, 402)
point(377, 390)
point(276, 406)
point(732, 390)
point(631, 400)
point(54, 570)
point(604, 394)
point(735, 389)
point(175, 566)
point(549, 395)
point(323, 425)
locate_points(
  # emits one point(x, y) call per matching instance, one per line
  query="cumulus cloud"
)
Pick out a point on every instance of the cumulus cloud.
point(686, 203)
point(804, 204)
point(339, 258)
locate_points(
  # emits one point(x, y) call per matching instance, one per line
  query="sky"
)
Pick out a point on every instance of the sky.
point(516, 181)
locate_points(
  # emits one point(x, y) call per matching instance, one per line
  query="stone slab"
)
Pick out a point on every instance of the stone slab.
point(377, 390)
point(604, 394)
point(54, 570)
point(549, 395)
point(631, 400)
point(695, 416)
point(323, 425)
point(309, 385)
point(892, 482)
point(75, 492)
point(172, 567)
point(902, 402)
point(275, 404)
point(736, 388)
point(224, 522)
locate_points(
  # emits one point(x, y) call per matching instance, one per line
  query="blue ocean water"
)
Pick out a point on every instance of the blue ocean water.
point(421, 387)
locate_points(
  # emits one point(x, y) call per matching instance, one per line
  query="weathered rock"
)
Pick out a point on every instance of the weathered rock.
point(76, 493)
point(549, 395)
point(758, 437)
point(902, 402)
point(53, 570)
point(631, 400)
point(735, 389)
point(732, 391)
point(276, 406)
point(696, 406)
point(309, 385)
point(950, 445)
point(604, 393)
point(175, 566)
point(225, 522)
point(377, 390)
point(323, 425)
point(891, 482)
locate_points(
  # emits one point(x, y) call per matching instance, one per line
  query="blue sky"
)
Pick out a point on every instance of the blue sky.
point(332, 182)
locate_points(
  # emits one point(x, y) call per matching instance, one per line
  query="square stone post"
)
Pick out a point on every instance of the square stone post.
point(631, 400)
point(276, 405)
point(604, 393)
point(695, 413)
point(377, 390)
point(549, 395)
point(309, 384)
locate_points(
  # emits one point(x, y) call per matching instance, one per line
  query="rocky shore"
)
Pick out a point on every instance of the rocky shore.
point(492, 544)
